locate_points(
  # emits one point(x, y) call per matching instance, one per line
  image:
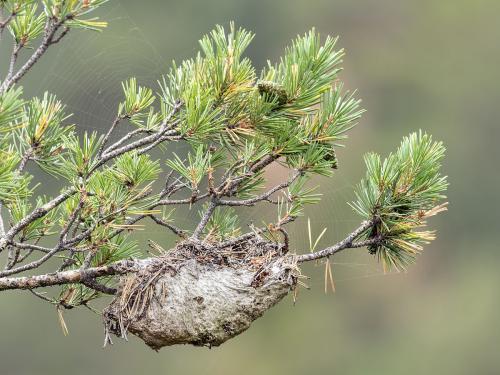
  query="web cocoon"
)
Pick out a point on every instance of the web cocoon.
point(188, 300)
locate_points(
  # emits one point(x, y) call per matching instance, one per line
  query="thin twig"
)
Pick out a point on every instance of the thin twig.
point(13, 59)
point(24, 160)
point(190, 200)
point(112, 128)
point(6, 22)
point(2, 226)
point(205, 218)
point(51, 27)
point(27, 246)
point(181, 233)
point(261, 197)
point(34, 215)
point(126, 137)
point(91, 283)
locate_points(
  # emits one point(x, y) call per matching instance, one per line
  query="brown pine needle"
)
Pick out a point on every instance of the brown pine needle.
point(329, 276)
point(127, 226)
point(62, 322)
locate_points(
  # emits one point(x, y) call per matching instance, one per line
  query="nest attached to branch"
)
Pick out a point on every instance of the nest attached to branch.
point(200, 295)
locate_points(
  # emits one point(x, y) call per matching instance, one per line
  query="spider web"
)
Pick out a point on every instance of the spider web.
point(86, 70)
point(334, 214)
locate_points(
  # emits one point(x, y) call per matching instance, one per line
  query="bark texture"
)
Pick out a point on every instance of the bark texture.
point(194, 301)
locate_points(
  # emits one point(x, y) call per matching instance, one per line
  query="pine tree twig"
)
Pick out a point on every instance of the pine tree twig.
point(13, 58)
point(32, 265)
point(95, 285)
point(12, 257)
point(34, 215)
point(205, 218)
point(72, 218)
point(50, 30)
point(228, 187)
point(5, 23)
point(106, 156)
point(112, 128)
point(42, 296)
point(181, 233)
point(261, 197)
point(158, 141)
point(190, 200)
point(127, 137)
point(2, 225)
point(88, 258)
point(163, 131)
point(60, 36)
point(26, 157)
point(286, 239)
point(256, 232)
point(22, 258)
point(244, 237)
point(26, 246)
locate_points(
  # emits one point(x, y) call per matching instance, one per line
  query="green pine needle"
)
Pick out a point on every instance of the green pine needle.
point(400, 193)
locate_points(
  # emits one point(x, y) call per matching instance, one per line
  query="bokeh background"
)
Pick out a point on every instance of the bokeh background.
point(426, 64)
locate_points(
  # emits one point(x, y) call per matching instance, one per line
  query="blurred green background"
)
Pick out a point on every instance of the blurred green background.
point(431, 65)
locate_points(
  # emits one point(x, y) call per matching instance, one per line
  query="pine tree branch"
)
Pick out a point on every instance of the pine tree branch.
point(346, 243)
point(68, 277)
point(55, 202)
point(125, 266)
point(51, 28)
point(205, 218)
point(5, 23)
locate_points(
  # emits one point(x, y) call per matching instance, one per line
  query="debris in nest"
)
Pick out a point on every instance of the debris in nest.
point(200, 294)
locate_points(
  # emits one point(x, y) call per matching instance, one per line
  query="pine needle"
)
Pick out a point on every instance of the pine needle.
point(62, 322)
point(329, 276)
